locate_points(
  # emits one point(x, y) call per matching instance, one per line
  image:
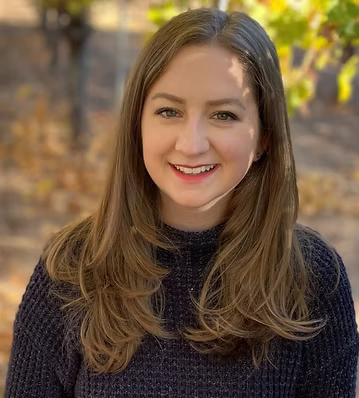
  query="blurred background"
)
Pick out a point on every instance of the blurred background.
point(63, 64)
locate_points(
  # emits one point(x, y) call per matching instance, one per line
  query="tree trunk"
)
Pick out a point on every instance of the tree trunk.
point(50, 26)
point(122, 52)
point(77, 33)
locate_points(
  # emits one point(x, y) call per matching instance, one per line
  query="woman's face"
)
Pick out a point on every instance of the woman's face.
point(200, 113)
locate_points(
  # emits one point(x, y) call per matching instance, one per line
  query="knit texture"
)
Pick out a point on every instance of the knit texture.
point(324, 366)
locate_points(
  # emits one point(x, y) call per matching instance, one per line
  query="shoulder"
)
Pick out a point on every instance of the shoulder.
point(39, 315)
point(39, 338)
point(333, 300)
point(36, 297)
point(323, 261)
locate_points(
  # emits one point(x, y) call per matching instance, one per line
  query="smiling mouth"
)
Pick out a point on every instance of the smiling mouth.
point(193, 171)
point(193, 167)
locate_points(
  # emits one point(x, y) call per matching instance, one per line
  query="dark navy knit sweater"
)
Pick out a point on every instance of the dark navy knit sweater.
point(324, 366)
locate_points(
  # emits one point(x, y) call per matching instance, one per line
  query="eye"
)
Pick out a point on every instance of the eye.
point(166, 113)
point(226, 116)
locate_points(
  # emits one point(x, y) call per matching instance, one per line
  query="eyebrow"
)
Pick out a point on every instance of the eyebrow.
point(222, 101)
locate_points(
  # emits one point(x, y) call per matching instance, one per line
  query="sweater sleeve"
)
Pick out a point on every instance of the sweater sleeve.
point(40, 364)
point(329, 362)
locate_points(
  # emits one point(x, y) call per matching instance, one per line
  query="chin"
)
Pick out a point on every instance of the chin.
point(192, 203)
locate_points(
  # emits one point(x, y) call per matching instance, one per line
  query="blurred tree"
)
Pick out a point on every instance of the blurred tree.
point(327, 31)
point(69, 20)
point(123, 48)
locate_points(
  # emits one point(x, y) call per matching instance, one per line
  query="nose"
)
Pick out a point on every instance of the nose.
point(192, 140)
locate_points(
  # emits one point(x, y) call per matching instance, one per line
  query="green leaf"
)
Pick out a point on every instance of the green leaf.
point(290, 28)
point(299, 94)
point(343, 16)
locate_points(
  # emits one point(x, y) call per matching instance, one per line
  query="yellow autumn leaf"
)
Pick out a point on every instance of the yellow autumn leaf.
point(278, 5)
point(345, 78)
point(284, 51)
point(322, 60)
point(320, 43)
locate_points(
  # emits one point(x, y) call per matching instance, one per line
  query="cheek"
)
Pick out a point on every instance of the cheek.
point(239, 150)
point(157, 143)
point(155, 150)
point(149, 143)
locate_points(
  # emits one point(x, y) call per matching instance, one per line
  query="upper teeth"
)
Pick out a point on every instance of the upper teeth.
point(197, 170)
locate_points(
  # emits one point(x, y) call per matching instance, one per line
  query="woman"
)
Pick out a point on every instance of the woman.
point(192, 279)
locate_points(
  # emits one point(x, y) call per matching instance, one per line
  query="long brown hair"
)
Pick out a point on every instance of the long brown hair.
point(262, 282)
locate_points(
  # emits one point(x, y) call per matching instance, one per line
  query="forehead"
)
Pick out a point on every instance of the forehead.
point(204, 71)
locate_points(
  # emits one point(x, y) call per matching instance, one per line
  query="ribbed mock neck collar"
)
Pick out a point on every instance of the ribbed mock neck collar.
point(194, 238)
